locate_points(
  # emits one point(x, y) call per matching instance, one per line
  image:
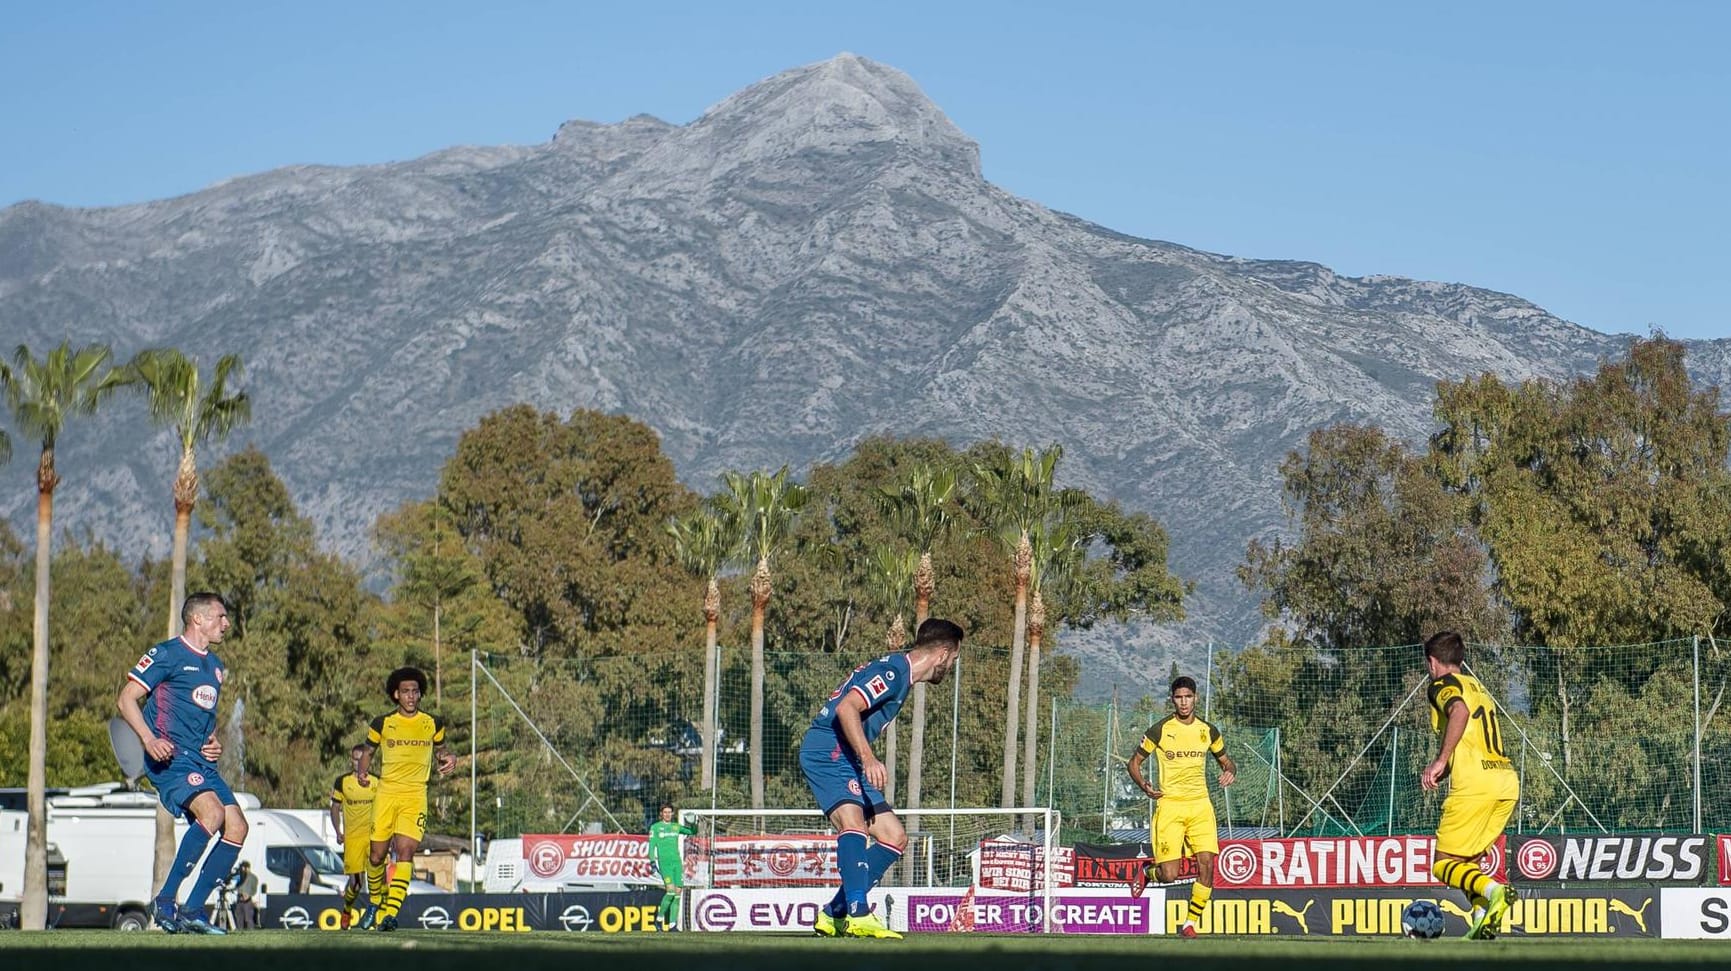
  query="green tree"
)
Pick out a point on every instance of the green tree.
point(1383, 556)
point(1603, 502)
point(762, 508)
point(569, 521)
point(301, 670)
point(438, 595)
point(43, 394)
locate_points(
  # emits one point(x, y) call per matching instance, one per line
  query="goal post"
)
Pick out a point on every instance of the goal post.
point(962, 870)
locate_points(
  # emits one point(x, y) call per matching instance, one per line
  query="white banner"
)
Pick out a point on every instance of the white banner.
point(1695, 913)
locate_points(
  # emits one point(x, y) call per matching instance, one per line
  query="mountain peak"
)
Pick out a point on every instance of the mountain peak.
point(835, 106)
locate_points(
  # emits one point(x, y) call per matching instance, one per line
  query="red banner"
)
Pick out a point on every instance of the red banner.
point(1347, 861)
point(771, 861)
point(1021, 867)
point(589, 859)
point(1725, 860)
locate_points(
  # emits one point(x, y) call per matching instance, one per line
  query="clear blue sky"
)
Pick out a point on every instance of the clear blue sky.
point(1577, 154)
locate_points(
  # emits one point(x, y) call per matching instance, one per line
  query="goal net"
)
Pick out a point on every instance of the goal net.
point(985, 870)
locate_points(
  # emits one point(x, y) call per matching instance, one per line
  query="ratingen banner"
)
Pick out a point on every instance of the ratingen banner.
point(1658, 859)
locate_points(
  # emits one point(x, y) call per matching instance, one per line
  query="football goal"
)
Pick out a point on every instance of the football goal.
point(963, 870)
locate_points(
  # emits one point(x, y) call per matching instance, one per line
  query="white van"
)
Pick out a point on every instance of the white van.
point(102, 848)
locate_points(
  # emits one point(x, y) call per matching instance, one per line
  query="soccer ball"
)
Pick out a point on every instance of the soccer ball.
point(1422, 919)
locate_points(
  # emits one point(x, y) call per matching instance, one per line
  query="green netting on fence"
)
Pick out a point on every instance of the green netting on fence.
point(1605, 739)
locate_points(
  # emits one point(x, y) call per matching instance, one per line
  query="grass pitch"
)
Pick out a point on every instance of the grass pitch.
point(271, 950)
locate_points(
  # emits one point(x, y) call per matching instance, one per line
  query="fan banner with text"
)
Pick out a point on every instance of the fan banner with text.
point(1650, 858)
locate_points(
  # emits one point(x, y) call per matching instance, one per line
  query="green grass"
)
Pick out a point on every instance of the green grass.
point(433, 950)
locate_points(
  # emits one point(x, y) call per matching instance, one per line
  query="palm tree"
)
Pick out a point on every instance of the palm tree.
point(762, 508)
point(892, 579)
point(42, 395)
point(1057, 557)
point(198, 413)
point(920, 510)
point(702, 543)
point(1017, 494)
point(179, 399)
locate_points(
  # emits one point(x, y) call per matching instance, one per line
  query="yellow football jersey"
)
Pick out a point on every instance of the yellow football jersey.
point(405, 745)
point(1179, 750)
point(357, 803)
point(1477, 767)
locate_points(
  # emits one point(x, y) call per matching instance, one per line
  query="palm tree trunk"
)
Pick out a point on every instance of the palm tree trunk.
point(760, 588)
point(711, 614)
point(1031, 733)
point(1013, 703)
point(917, 733)
point(185, 497)
point(33, 911)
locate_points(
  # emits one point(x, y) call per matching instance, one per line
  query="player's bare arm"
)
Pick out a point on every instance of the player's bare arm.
point(132, 695)
point(447, 760)
point(847, 716)
point(1135, 768)
point(1433, 773)
point(1228, 769)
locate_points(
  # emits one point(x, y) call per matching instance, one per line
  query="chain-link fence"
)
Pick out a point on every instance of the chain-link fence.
point(1605, 739)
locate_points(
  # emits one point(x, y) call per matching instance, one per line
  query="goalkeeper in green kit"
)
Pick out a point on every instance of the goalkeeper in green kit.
point(665, 856)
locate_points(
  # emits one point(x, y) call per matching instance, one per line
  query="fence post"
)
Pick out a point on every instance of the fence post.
point(955, 736)
point(1393, 770)
point(1697, 733)
point(714, 703)
point(1279, 788)
point(1208, 685)
point(1052, 759)
point(1106, 773)
point(474, 730)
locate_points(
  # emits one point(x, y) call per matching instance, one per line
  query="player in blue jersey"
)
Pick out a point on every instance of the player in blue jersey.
point(848, 780)
point(169, 699)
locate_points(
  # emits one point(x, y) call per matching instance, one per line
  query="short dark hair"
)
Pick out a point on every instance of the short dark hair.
point(357, 747)
point(402, 675)
point(1447, 647)
point(666, 806)
point(197, 603)
point(935, 632)
point(1183, 681)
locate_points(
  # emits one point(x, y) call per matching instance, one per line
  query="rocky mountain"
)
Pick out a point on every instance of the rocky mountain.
point(813, 260)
